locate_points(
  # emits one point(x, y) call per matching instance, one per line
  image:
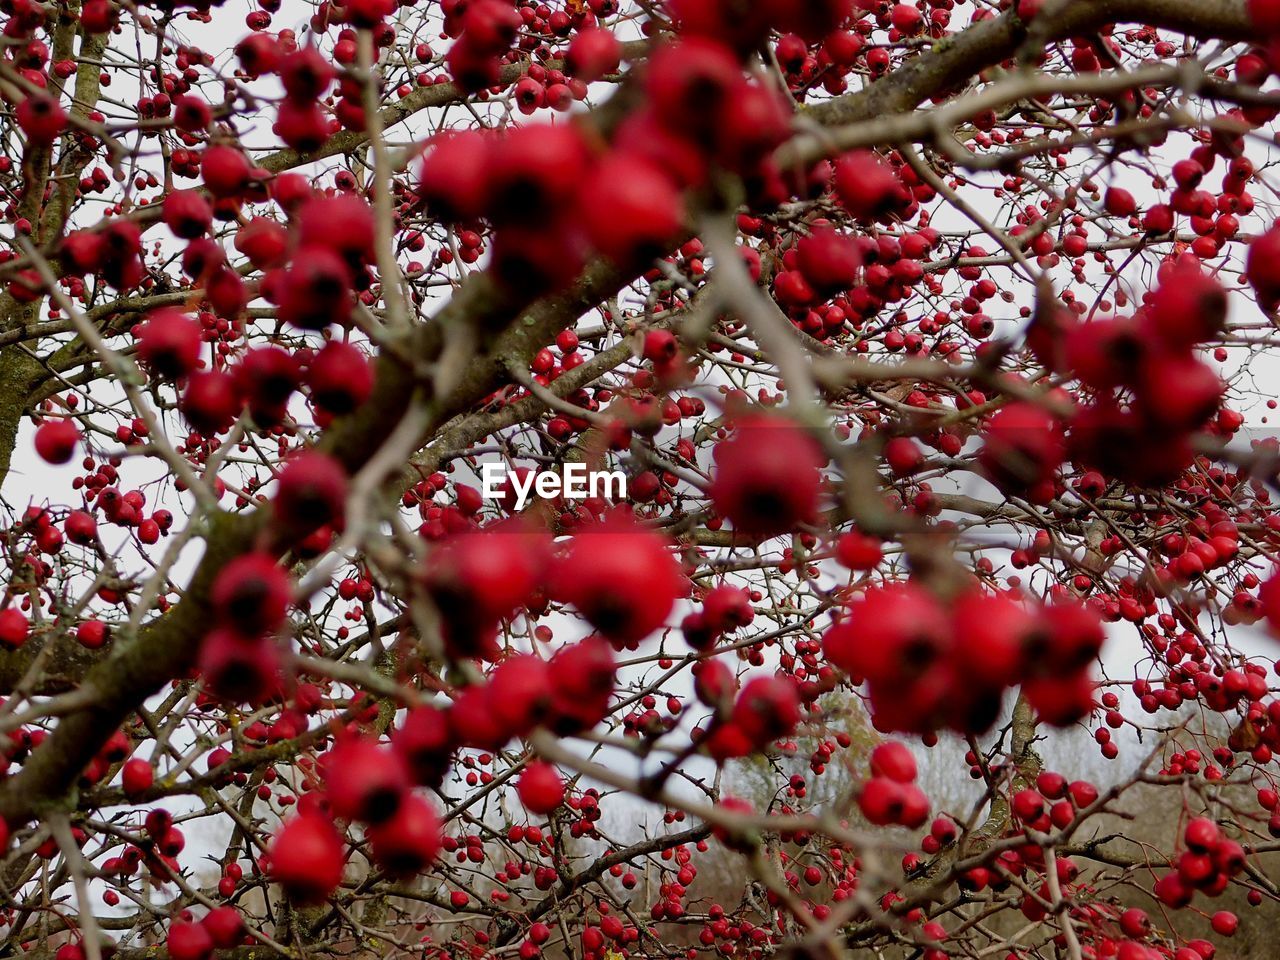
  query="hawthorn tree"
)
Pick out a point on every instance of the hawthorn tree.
point(933, 341)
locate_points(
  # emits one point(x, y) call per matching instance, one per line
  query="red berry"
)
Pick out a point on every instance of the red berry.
point(490, 25)
point(189, 941)
point(1119, 202)
point(311, 491)
point(211, 401)
point(252, 594)
point(1265, 15)
point(906, 19)
point(226, 171)
point(169, 343)
point(828, 259)
point(1224, 923)
point(767, 708)
point(1262, 267)
point(258, 53)
point(520, 693)
point(364, 780)
point(263, 241)
point(191, 113)
point(301, 124)
point(1083, 793)
point(867, 186)
point(691, 80)
point(14, 628)
point(454, 182)
point(582, 680)
point(41, 118)
point(534, 171)
point(343, 223)
point(1028, 806)
point(225, 926)
point(1202, 834)
point(889, 626)
point(237, 668)
point(481, 578)
point(903, 455)
point(97, 16)
point(187, 214)
point(881, 801)
point(859, 551)
point(81, 527)
point(424, 742)
point(1187, 308)
point(340, 377)
point(592, 54)
point(894, 760)
point(1135, 923)
point(306, 74)
point(1022, 448)
point(621, 577)
point(368, 13)
point(409, 840)
point(136, 777)
point(316, 290)
point(56, 440)
point(307, 858)
point(540, 787)
point(811, 19)
point(266, 378)
point(630, 209)
point(91, 634)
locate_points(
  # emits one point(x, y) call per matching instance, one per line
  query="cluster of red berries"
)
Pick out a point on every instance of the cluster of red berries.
point(339, 378)
point(1208, 864)
point(335, 239)
point(55, 442)
point(1149, 359)
point(306, 75)
point(745, 25)
point(629, 206)
point(621, 576)
point(567, 694)
point(764, 710)
point(157, 851)
point(929, 664)
point(546, 214)
point(725, 608)
point(484, 30)
point(112, 251)
point(373, 782)
point(890, 796)
point(220, 929)
point(365, 781)
point(316, 265)
point(122, 509)
point(828, 280)
point(240, 658)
